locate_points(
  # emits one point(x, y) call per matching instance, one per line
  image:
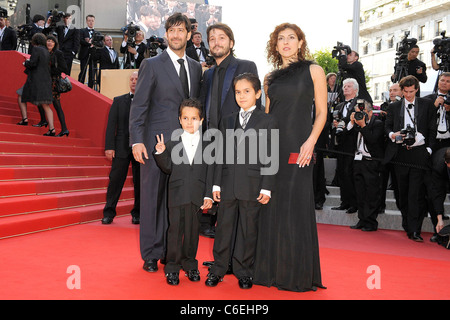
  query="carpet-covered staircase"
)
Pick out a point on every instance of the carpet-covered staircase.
point(49, 182)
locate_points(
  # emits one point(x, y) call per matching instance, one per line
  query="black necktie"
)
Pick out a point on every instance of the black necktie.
point(184, 78)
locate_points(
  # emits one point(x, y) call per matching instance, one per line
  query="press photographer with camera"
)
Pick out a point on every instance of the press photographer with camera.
point(407, 62)
point(36, 27)
point(368, 150)
point(411, 127)
point(133, 47)
point(8, 37)
point(344, 145)
point(86, 54)
point(441, 50)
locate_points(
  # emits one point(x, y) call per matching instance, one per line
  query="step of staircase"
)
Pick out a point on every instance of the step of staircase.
point(50, 182)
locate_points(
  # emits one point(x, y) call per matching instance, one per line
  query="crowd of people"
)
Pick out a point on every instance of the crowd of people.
point(406, 143)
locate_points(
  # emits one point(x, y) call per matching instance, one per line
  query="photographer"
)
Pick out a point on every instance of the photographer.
point(368, 150)
point(414, 67)
point(85, 55)
point(411, 127)
point(134, 49)
point(197, 50)
point(345, 146)
point(8, 37)
point(437, 182)
point(36, 27)
point(354, 69)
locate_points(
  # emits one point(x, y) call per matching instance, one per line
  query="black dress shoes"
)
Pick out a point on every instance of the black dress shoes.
point(352, 210)
point(415, 237)
point(341, 207)
point(151, 265)
point(356, 226)
point(172, 278)
point(319, 206)
point(213, 280)
point(193, 275)
point(107, 220)
point(135, 220)
point(245, 283)
point(367, 229)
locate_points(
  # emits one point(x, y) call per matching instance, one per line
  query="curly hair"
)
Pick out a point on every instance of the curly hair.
point(273, 57)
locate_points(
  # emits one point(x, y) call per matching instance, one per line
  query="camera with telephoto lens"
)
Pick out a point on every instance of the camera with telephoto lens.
point(341, 52)
point(55, 15)
point(153, 43)
point(341, 123)
point(442, 47)
point(360, 114)
point(407, 136)
point(131, 30)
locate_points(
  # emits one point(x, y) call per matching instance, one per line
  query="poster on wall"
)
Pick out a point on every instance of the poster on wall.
point(151, 15)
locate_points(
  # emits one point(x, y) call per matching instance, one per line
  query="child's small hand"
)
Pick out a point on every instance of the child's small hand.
point(216, 196)
point(263, 198)
point(160, 146)
point(207, 204)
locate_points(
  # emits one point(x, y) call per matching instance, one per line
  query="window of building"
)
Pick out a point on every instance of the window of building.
point(378, 45)
point(390, 42)
point(365, 48)
point(439, 27)
point(421, 33)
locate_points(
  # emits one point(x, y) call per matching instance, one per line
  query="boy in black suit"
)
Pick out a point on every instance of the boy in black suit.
point(241, 186)
point(190, 191)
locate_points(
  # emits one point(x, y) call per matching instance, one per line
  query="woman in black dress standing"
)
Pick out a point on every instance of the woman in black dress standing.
point(38, 86)
point(58, 66)
point(288, 253)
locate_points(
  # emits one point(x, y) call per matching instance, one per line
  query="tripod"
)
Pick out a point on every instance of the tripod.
point(401, 69)
point(336, 94)
point(93, 63)
point(444, 66)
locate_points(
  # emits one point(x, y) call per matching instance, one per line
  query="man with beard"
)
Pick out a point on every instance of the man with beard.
point(217, 92)
point(164, 82)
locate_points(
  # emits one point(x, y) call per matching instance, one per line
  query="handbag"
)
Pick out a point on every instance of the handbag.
point(63, 85)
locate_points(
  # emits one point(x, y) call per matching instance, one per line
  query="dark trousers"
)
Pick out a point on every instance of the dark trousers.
point(117, 177)
point(387, 171)
point(367, 183)
point(182, 238)
point(244, 216)
point(344, 166)
point(85, 64)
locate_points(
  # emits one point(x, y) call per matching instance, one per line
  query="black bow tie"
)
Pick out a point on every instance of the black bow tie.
point(131, 95)
point(348, 101)
point(410, 106)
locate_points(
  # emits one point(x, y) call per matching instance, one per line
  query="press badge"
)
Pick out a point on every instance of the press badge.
point(358, 156)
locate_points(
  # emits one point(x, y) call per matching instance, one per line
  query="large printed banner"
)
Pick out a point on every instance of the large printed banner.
point(151, 15)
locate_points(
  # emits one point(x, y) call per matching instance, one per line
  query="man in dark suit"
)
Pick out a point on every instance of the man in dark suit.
point(355, 70)
point(369, 152)
point(117, 150)
point(38, 24)
point(197, 50)
point(241, 184)
point(217, 93)
point(8, 37)
point(414, 67)
point(68, 39)
point(345, 145)
point(109, 58)
point(411, 156)
point(86, 54)
point(164, 82)
point(190, 190)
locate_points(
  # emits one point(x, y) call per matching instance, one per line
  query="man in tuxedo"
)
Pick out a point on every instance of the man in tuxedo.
point(411, 156)
point(164, 82)
point(345, 144)
point(8, 37)
point(133, 54)
point(117, 150)
point(86, 55)
point(109, 58)
point(68, 39)
point(217, 92)
point(198, 51)
point(369, 151)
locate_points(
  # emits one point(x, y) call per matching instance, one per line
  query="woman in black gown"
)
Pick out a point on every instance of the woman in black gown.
point(288, 250)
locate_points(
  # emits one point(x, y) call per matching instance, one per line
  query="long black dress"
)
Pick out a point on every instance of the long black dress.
point(288, 251)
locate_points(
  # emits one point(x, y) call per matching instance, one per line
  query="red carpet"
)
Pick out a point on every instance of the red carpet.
point(36, 267)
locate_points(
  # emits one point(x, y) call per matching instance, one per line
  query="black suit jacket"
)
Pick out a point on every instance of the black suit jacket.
point(105, 59)
point(346, 140)
point(117, 133)
point(229, 105)
point(129, 57)
point(425, 117)
point(187, 183)
point(84, 45)
point(70, 43)
point(355, 70)
point(9, 40)
point(242, 178)
point(373, 134)
point(192, 52)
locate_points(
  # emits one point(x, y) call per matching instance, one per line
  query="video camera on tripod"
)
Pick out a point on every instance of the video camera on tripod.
point(130, 31)
point(401, 59)
point(153, 43)
point(340, 52)
point(3, 13)
point(442, 50)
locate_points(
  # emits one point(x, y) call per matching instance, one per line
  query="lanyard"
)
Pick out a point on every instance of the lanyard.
point(412, 119)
